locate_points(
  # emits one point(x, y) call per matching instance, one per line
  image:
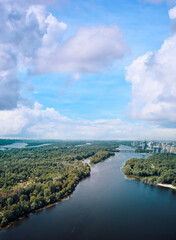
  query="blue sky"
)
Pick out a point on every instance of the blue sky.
point(107, 94)
point(88, 69)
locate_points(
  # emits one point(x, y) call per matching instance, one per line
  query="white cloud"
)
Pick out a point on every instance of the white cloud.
point(154, 85)
point(38, 13)
point(48, 123)
point(89, 50)
point(172, 13)
point(31, 38)
point(12, 122)
point(54, 31)
point(19, 39)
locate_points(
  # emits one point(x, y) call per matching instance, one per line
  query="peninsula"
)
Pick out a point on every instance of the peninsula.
point(158, 169)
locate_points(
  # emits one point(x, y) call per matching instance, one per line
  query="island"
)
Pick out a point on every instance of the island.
point(100, 157)
point(158, 169)
point(34, 177)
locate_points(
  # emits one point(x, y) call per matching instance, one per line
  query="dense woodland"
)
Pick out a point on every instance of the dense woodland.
point(140, 150)
point(158, 168)
point(33, 177)
point(100, 156)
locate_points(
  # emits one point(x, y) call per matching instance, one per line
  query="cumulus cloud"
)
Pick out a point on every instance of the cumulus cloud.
point(23, 118)
point(31, 38)
point(9, 89)
point(19, 39)
point(47, 123)
point(154, 84)
point(172, 13)
point(89, 50)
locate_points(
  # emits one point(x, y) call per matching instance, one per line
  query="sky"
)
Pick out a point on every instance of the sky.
point(92, 69)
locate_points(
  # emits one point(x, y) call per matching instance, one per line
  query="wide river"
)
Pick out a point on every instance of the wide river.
point(105, 206)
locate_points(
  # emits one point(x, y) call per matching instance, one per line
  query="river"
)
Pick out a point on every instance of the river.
point(105, 206)
point(21, 145)
point(13, 145)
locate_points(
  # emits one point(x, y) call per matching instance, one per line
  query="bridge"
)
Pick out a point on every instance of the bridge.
point(126, 150)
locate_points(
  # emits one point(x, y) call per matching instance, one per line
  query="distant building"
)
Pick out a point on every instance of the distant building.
point(157, 149)
point(134, 144)
point(163, 151)
point(173, 149)
point(150, 145)
point(144, 145)
point(168, 149)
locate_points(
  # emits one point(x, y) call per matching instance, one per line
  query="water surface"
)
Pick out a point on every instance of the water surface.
point(13, 145)
point(21, 145)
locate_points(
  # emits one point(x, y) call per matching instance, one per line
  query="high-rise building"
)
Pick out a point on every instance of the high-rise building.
point(173, 149)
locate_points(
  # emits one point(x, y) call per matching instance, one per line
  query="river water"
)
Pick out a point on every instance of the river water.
point(105, 206)
point(13, 145)
point(21, 145)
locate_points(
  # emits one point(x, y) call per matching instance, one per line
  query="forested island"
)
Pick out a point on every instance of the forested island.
point(100, 156)
point(34, 177)
point(156, 169)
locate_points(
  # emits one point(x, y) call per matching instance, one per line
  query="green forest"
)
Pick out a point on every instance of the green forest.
point(140, 150)
point(100, 156)
point(33, 177)
point(158, 168)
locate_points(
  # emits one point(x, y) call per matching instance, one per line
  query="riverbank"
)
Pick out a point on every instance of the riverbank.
point(147, 183)
point(156, 170)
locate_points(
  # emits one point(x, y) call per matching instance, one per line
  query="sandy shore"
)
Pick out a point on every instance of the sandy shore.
point(166, 185)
